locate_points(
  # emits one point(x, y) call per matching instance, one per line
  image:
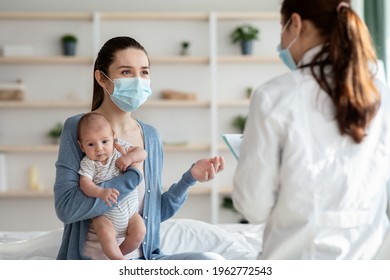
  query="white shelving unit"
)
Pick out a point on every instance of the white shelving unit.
point(215, 70)
point(231, 75)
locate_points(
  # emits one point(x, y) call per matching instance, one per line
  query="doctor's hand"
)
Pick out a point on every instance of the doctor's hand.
point(205, 169)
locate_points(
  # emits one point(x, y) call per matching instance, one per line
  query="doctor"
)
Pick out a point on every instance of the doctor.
point(314, 164)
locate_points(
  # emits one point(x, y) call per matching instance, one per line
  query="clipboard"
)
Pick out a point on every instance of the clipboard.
point(233, 141)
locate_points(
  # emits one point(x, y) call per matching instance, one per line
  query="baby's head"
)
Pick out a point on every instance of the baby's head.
point(95, 137)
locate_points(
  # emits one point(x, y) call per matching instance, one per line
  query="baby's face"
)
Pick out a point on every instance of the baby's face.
point(97, 142)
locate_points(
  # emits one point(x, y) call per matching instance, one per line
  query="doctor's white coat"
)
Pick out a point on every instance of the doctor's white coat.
point(321, 195)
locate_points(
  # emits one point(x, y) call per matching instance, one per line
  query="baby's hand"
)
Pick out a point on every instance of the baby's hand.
point(132, 157)
point(109, 196)
point(122, 164)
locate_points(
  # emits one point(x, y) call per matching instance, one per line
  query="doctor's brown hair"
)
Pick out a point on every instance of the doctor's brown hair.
point(105, 58)
point(348, 49)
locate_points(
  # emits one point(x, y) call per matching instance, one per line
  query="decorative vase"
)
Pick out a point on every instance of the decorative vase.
point(69, 48)
point(246, 47)
point(185, 48)
point(185, 51)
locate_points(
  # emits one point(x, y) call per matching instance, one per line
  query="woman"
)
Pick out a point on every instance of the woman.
point(315, 159)
point(121, 85)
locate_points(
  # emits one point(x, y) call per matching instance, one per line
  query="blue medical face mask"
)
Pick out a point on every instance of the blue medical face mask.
point(130, 93)
point(285, 54)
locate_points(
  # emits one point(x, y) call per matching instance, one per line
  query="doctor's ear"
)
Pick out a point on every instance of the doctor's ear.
point(296, 24)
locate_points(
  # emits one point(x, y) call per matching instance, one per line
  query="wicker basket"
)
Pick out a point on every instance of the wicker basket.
point(178, 95)
point(11, 92)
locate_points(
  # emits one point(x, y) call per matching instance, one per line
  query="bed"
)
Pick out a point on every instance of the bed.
point(232, 241)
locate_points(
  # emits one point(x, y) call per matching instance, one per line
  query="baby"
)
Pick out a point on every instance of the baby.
point(96, 139)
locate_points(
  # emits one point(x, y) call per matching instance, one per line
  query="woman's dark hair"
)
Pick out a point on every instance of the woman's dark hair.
point(105, 58)
point(349, 51)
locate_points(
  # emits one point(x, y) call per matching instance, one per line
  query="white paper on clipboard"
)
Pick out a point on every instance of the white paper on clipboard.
point(233, 141)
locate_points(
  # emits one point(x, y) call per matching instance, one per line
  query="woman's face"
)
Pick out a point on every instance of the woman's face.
point(129, 63)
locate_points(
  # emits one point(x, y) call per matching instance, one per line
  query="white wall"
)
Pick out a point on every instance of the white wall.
point(387, 6)
point(23, 214)
point(198, 205)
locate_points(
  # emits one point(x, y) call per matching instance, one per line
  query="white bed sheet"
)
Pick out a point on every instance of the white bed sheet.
point(232, 241)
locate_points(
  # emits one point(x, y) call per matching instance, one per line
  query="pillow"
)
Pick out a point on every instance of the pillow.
point(187, 235)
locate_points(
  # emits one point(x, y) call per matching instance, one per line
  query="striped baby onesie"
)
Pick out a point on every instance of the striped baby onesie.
point(97, 172)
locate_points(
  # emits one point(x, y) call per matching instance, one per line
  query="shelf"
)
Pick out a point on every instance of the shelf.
point(23, 149)
point(55, 104)
point(234, 103)
point(199, 190)
point(154, 16)
point(223, 147)
point(20, 193)
point(74, 104)
point(153, 103)
point(248, 59)
point(27, 194)
point(46, 16)
point(180, 59)
point(248, 16)
point(186, 147)
point(225, 190)
point(60, 59)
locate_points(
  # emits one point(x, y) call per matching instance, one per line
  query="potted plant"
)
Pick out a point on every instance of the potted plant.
point(239, 123)
point(185, 48)
point(248, 92)
point(227, 203)
point(55, 132)
point(69, 42)
point(245, 35)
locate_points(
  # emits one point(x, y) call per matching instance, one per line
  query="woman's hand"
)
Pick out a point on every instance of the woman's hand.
point(205, 169)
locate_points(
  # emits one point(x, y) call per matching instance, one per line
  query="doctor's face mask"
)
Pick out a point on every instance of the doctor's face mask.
point(285, 54)
point(129, 93)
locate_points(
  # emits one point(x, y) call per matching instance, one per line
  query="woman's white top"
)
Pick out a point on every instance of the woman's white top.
point(321, 195)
